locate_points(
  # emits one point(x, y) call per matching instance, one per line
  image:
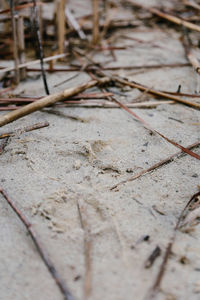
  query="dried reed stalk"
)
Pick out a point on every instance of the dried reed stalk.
point(48, 100)
point(95, 33)
point(61, 25)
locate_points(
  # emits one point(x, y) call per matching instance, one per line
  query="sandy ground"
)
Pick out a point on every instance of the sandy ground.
point(77, 159)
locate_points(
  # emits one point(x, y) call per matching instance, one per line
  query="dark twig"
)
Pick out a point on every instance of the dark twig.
point(42, 252)
point(162, 269)
point(38, 35)
point(156, 252)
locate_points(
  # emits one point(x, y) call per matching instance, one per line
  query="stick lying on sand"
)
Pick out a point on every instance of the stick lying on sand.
point(48, 100)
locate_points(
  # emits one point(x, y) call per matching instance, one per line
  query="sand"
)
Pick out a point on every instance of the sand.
point(76, 160)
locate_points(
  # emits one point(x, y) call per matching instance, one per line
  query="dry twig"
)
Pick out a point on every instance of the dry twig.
point(42, 252)
point(25, 129)
point(39, 42)
point(168, 17)
point(154, 167)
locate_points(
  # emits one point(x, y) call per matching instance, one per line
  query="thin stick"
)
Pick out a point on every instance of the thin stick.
point(34, 62)
point(15, 47)
point(112, 68)
point(168, 17)
point(19, 7)
point(192, 4)
point(99, 104)
point(37, 32)
point(147, 126)
point(21, 45)
point(42, 252)
point(162, 269)
point(61, 25)
point(87, 249)
point(25, 129)
point(107, 104)
point(48, 100)
point(155, 92)
point(95, 36)
point(156, 166)
point(79, 96)
point(3, 91)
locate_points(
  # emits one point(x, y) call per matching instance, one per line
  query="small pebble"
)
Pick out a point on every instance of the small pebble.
point(77, 164)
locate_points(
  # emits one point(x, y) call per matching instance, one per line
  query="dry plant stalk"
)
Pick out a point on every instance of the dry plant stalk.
point(15, 44)
point(95, 33)
point(61, 25)
point(48, 100)
point(21, 45)
point(34, 62)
